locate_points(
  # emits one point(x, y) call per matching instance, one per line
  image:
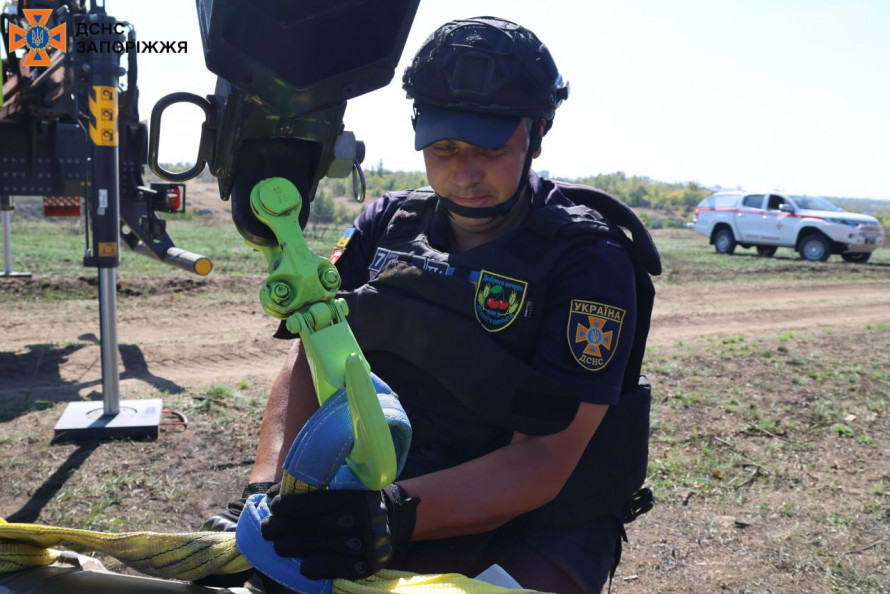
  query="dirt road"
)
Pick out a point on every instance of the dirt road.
point(177, 335)
point(684, 313)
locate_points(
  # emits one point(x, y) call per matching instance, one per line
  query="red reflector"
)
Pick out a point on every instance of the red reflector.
point(174, 198)
point(61, 206)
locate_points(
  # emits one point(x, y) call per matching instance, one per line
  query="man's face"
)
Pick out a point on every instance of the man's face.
point(475, 176)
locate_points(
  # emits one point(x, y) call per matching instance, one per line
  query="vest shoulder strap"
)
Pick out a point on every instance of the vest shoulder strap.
point(555, 220)
point(642, 247)
point(411, 213)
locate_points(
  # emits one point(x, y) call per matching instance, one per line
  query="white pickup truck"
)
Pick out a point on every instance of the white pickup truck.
point(813, 226)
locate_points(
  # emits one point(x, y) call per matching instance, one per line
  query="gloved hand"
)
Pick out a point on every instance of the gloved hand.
point(226, 520)
point(342, 533)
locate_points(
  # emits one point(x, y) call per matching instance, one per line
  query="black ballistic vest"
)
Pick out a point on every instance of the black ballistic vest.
point(467, 390)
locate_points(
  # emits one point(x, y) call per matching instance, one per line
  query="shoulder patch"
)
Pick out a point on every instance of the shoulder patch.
point(593, 332)
point(498, 300)
point(341, 244)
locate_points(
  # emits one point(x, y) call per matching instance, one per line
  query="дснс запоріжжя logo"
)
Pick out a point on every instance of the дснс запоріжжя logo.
point(37, 37)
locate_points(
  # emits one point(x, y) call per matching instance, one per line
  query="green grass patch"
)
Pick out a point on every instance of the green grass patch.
point(713, 436)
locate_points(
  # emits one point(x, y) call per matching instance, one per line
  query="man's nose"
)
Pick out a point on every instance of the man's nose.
point(468, 169)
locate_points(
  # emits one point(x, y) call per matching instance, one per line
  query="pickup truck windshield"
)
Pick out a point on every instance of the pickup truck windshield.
point(815, 203)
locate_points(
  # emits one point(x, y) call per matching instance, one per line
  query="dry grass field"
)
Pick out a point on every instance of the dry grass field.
point(770, 442)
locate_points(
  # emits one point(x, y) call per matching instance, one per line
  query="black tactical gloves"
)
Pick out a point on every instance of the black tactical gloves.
point(228, 519)
point(341, 534)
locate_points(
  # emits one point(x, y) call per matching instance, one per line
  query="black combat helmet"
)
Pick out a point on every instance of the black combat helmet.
point(485, 66)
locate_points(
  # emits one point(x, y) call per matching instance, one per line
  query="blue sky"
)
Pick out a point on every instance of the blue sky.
point(785, 94)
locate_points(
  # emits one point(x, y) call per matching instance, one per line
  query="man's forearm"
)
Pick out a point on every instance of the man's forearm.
point(291, 402)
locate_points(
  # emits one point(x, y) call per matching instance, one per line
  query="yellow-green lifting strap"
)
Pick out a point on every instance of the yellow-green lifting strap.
point(193, 555)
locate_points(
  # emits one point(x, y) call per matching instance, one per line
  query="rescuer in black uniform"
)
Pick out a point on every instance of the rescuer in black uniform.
point(505, 317)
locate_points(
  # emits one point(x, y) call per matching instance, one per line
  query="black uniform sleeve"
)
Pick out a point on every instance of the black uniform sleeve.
point(589, 320)
point(369, 227)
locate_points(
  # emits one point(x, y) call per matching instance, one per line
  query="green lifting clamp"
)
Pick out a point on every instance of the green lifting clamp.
point(302, 288)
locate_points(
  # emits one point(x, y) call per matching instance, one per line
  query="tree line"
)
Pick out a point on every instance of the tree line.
point(659, 204)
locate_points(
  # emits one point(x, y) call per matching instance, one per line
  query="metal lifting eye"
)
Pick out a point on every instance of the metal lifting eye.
point(358, 182)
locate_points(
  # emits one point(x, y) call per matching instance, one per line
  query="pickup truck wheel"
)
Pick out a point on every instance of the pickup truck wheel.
point(767, 251)
point(857, 257)
point(814, 248)
point(724, 242)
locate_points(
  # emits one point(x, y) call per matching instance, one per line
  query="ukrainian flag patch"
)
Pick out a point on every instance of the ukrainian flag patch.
point(341, 244)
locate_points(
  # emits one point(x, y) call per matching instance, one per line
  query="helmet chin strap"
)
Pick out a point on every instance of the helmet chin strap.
point(499, 210)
